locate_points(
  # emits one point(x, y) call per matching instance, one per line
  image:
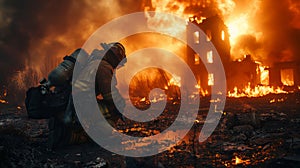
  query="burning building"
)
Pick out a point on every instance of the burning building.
point(285, 74)
point(217, 33)
point(242, 74)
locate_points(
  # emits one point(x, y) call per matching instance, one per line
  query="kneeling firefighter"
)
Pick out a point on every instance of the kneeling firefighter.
point(57, 104)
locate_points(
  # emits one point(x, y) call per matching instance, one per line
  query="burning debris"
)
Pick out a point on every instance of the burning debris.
point(262, 80)
point(3, 97)
point(154, 85)
point(257, 91)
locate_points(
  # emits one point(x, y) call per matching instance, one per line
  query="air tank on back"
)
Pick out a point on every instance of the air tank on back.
point(64, 71)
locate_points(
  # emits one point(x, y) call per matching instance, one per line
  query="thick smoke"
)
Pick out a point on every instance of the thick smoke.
point(281, 33)
point(274, 33)
point(32, 30)
point(36, 35)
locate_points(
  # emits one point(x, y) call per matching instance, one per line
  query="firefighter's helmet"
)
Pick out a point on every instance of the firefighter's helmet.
point(115, 53)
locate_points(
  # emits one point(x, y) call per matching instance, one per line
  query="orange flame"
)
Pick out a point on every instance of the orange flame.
point(238, 22)
point(264, 75)
point(3, 101)
point(164, 23)
point(201, 91)
point(5, 93)
point(287, 77)
point(257, 91)
point(241, 23)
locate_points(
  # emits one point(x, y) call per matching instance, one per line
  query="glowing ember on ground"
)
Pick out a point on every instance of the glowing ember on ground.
point(277, 100)
point(143, 99)
point(5, 93)
point(2, 97)
point(3, 101)
point(240, 161)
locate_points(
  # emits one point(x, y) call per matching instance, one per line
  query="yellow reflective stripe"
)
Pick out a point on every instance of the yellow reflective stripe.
point(109, 96)
point(104, 110)
point(82, 85)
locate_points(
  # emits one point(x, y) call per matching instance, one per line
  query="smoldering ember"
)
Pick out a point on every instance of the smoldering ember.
point(257, 42)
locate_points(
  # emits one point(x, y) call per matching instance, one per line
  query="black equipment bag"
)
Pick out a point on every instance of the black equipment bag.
point(44, 106)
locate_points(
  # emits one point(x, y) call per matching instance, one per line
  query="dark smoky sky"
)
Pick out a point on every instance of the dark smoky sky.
point(32, 30)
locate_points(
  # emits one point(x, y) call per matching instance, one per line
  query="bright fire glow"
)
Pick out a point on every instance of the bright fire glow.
point(211, 79)
point(236, 27)
point(164, 23)
point(223, 35)
point(210, 57)
point(196, 37)
point(238, 22)
point(197, 59)
point(175, 7)
point(264, 75)
point(176, 81)
point(242, 23)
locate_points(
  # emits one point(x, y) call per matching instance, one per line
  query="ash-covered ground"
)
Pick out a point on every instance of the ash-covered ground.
point(253, 132)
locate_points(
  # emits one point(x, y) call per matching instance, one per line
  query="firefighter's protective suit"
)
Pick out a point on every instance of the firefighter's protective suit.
point(69, 130)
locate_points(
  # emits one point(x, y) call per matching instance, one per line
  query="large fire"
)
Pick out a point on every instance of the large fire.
point(239, 23)
point(238, 16)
